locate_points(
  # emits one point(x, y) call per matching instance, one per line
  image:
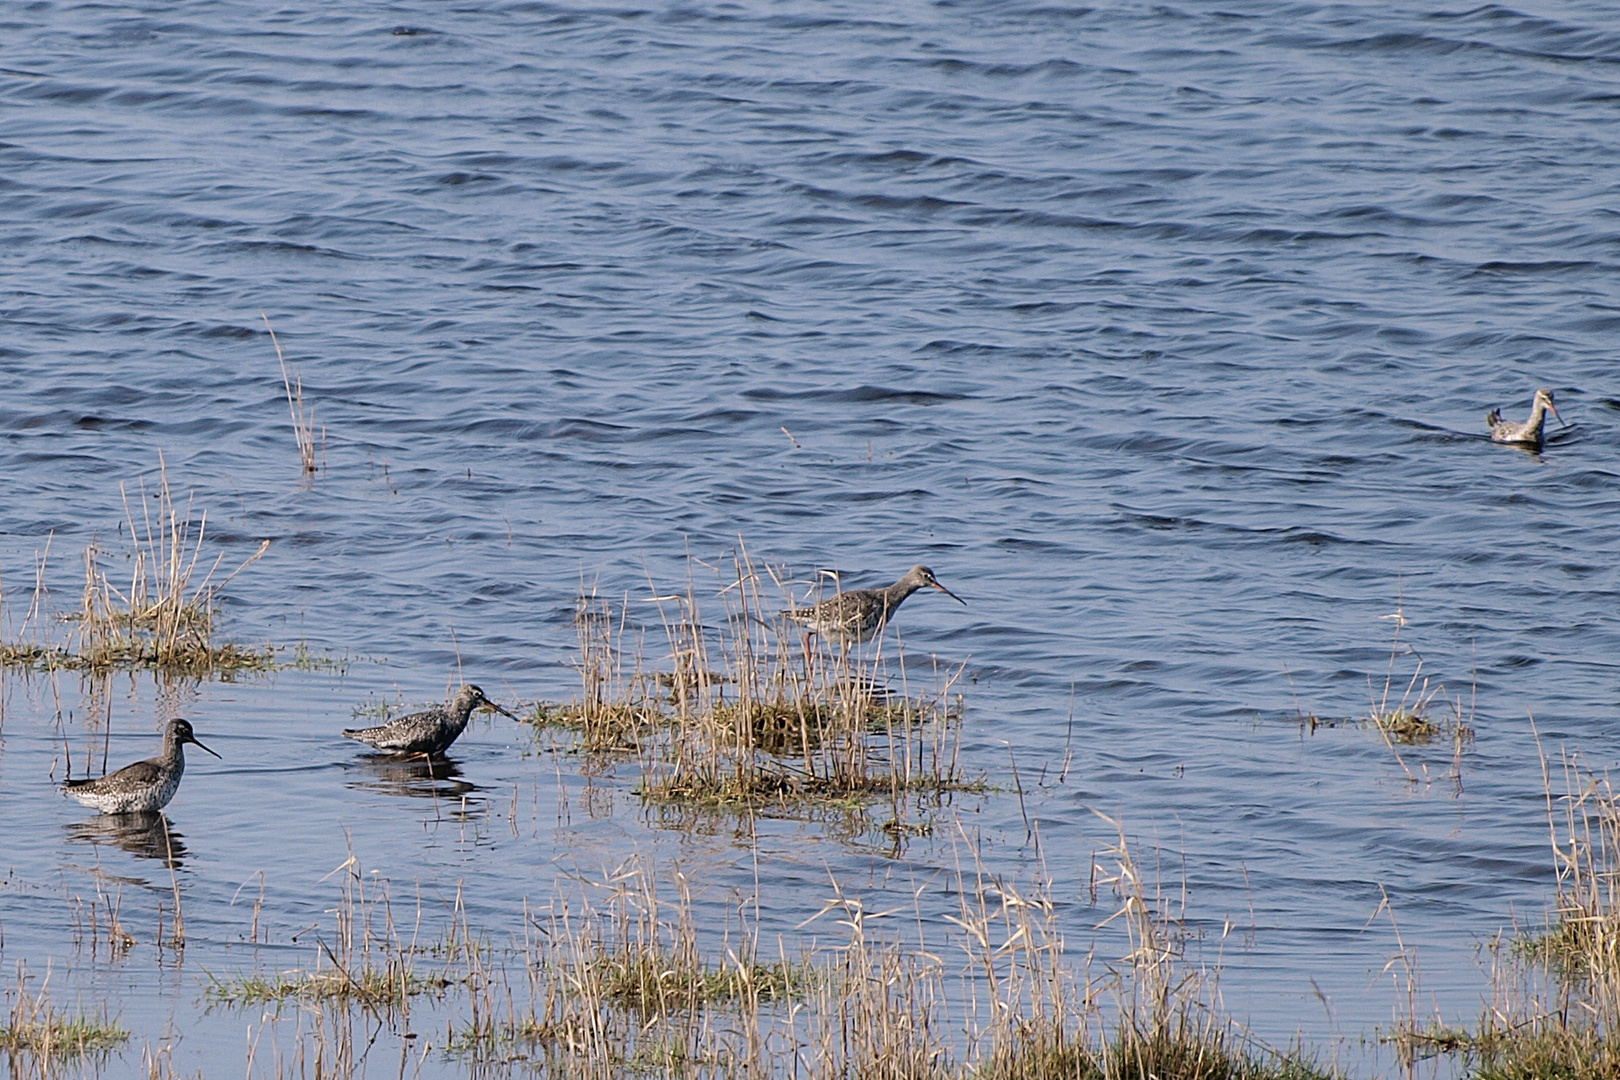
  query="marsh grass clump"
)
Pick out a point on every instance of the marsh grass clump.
point(160, 616)
point(752, 713)
point(1582, 942)
point(618, 705)
point(1153, 1015)
point(1545, 1047)
point(364, 961)
point(386, 987)
point(1420, 715)
point(640, 950)
point(1413, 720)
point(35, 1030)
point(616, 982)
point(1556, 1007)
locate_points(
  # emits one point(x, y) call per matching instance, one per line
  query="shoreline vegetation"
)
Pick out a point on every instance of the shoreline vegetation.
point(617, 976)
point(1554, 1011)
point(41, 1040)
point(614, 977)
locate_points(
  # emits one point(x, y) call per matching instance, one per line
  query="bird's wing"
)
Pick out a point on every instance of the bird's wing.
point(142, 772)
point(403, 734)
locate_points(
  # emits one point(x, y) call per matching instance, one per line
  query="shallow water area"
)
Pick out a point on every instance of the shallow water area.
point(1164, 335)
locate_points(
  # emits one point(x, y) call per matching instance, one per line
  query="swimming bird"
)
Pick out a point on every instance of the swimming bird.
point(144, 786)
point(429, 732)
point(860, 614)
point(1529, 432)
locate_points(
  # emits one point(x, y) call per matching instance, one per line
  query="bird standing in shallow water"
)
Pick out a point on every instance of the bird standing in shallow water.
point(145, 785)
point(429, 732)
point(860, 614)
point(1529, 432)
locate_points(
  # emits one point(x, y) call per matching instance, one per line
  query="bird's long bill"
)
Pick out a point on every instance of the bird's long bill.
point(193, 740)
point(1555, 412)
point(488, 704)
point(948, 593)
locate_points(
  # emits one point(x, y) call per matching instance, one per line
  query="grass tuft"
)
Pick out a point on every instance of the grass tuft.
point(1163, 1022)
point(156, 615)
point(364, 961)
point(34, 1029)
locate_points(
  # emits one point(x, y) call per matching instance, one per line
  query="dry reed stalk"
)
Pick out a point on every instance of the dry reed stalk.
point(1040, 1012)
point(303, 422)
point(365, 962)
point(1586, 941)
point(615, 709)
point(1162, 1022)
point(877, 1010)
point(19, 652)
point(1407, 721)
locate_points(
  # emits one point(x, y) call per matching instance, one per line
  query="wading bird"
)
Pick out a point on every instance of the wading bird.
point(429, 732)
point(860, 614)
point(145, 785)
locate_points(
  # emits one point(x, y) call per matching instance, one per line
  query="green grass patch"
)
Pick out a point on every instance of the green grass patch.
point(389, 987)
point(45, 1033)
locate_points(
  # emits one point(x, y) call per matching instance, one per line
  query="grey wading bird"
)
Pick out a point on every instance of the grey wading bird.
point(860, 614)
point(1529, 432)
point(429, 732)
point(144, 786)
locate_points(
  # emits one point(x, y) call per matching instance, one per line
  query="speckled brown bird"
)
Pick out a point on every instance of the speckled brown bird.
point(145, 785)
point(430, 732)
point(860, 614)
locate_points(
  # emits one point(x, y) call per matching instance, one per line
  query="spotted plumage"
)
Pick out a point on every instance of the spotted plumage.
point(860, 614)
point(144, 786)
point(430, 732)
point(1529, 432)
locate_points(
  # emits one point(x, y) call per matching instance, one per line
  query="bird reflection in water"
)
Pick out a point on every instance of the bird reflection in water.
point(145, 834)
point(418, 776)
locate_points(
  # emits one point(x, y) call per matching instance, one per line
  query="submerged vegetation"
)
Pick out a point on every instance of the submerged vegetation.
point(754, 714)
point(158, 614)
point(1413, 720)
point(1419, 715)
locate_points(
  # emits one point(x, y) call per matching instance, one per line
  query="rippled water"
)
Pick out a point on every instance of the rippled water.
point(1163, 333)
